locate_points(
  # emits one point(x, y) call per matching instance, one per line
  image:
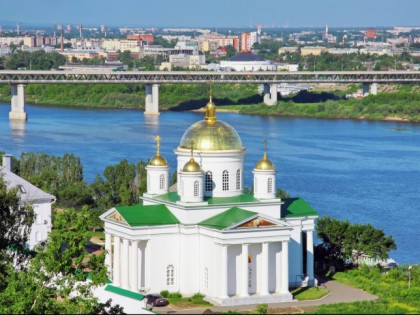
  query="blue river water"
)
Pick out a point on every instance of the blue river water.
point(364, 171)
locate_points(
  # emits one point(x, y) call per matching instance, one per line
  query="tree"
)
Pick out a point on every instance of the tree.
point(55, 279)
point(122, 184)
point(342, 241)
point(15, 225)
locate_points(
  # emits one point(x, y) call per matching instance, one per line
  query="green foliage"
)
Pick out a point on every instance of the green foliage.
point(174, 295)
point(280, 193)
point(54, 280)
point(15, 223)
point(121, 184)
point(309, 293)
point(164, 293)
point(395, 297)
point(342, 240)
point(262, 308)
point(37, 60)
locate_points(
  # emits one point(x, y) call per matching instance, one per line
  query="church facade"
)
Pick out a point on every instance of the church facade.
point(209, 236)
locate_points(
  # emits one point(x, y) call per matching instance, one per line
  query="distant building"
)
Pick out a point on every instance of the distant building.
point(40, 201)
point(148, 38)
point(247, 40)
point(312, 50)
point(370, 34)
point(247, 61)
point(284, 50)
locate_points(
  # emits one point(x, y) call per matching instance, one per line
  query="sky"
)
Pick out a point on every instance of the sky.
point(212, 13)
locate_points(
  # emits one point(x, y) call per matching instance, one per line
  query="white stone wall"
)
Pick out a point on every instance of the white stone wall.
point(154, 174)
point(217, 162)
point(42, 223)
point(262, 189)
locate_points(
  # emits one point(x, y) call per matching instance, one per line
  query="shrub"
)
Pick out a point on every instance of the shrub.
point(175, 295)
point(164, 293)
point(262, 308)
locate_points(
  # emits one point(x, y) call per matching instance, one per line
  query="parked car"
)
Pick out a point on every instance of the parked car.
point(156, 300)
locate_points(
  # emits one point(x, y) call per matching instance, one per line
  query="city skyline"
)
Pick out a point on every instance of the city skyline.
point(217, 13)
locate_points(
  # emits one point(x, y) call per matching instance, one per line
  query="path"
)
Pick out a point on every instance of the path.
point(339, 293)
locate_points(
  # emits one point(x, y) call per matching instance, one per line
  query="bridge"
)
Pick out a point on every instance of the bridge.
point(152, 79)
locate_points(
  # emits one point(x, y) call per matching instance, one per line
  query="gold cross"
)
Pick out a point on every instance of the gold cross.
point(265, 147)
point(157, 145)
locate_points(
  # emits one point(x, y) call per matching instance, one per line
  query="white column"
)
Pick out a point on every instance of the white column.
point(245, 274)
point(18, 103)
point(278, 271)
point(147, 267)
point(152, 99)
point(140, 266)
point(134, 266)
point(374, 89)
point(125, 264)
point(310, 256)
point(285, 267)
point(224, 273)
point(117, 259)
point(108, 255)
point(264, 269)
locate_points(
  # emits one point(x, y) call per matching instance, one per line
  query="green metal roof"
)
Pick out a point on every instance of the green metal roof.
point(123, 292)
point(139, 215)
point(174, 197)
point(296, 207)
point(227, 218)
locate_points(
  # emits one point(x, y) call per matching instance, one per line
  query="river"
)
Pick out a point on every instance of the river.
point(364, 171)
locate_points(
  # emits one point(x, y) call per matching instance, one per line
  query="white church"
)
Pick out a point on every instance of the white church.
point(209, 236)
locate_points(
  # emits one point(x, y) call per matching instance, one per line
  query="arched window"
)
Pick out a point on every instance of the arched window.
point(206, 277)
point(209, 181)
point(196, 188)
point(161, 181)
point(170, 278)
point(225, 180)
point(148, 182)
point(249, 276)
point(270, 185)
point(238, 179)
point(255, 185)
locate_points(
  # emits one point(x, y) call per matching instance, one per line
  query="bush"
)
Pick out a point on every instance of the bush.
point(164, 293)
point(174, 295)
point(262, 308)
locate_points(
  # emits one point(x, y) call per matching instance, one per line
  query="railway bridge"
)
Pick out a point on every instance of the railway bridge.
point(18, 79)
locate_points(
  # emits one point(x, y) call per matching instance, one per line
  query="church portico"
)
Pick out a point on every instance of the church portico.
point(253, 270)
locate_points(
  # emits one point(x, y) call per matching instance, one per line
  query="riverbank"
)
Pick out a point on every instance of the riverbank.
point(397, 106)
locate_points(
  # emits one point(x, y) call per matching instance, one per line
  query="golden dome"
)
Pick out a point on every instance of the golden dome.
point(265, 164)
point(158, 160)
point(211, 134)
point(216, 136)
point(191, 166)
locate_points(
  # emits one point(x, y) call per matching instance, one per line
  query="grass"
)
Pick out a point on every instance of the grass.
point(312, 293)
point(197, 300)
point(395, 297)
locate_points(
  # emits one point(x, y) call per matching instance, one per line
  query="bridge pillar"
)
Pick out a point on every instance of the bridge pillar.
point(365, 89)
point(270, 94)
point(18, 103)
point(152, 99)
point(374, 89)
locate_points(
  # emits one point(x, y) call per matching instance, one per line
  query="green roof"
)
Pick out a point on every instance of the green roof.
point(139, 215)
point(227, 218)
point(123, 292)
point(296, 207)
point(174, 197)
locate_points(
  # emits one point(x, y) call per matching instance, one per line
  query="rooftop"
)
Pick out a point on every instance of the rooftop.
point(140, 215)
point(173, 197)
point(246, 56)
